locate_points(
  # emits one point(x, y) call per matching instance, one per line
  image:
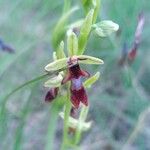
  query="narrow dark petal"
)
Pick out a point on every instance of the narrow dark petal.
point(51, 94)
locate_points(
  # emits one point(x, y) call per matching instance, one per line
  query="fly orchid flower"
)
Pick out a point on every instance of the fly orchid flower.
point(74, 74)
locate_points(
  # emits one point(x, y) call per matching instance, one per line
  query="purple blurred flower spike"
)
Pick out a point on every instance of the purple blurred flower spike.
point(132, 53)
point(139, 29)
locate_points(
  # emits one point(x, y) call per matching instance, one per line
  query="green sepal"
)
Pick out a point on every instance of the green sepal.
point(84, 32)
point(57, 65)
point(63, 63)
point(85, 59)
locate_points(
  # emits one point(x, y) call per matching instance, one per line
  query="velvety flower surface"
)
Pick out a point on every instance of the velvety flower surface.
point(78, 93)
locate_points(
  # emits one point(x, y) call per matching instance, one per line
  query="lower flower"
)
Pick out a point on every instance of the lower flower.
point(51, 94)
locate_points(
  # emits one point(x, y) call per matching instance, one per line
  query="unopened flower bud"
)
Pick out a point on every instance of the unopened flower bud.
point(105, 28)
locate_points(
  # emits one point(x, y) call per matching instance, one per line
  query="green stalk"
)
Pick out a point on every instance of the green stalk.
point(82, 118)
point(67, 4)
point(66, 117)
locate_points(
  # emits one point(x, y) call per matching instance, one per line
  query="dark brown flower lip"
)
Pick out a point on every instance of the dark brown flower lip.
point(78, 96)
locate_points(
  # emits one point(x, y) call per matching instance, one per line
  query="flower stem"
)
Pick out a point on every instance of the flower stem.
point(66, 5)
point(66, 117)
point(82, 118)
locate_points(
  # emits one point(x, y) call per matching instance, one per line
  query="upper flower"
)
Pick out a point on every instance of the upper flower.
point(74, 74)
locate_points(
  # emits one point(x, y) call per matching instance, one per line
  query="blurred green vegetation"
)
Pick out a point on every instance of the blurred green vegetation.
point(116, 102)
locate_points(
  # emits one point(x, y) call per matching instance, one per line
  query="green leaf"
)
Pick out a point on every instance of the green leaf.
point(84, 32)
point(89, 82)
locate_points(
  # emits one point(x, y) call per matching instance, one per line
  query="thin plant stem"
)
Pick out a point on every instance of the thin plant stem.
point(66, 117)
point(67, 4)
point(82, 117)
